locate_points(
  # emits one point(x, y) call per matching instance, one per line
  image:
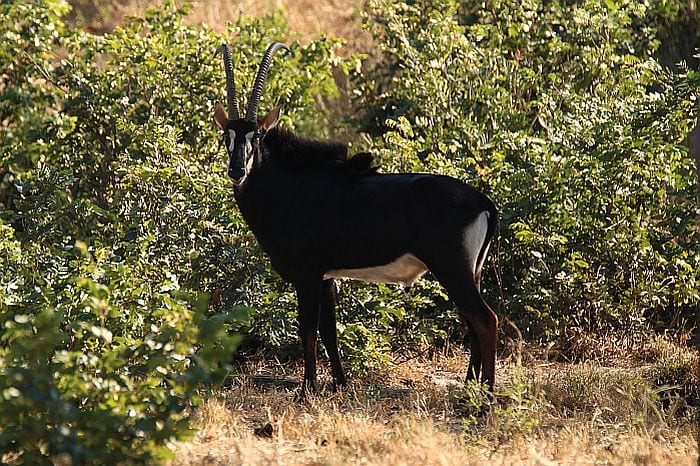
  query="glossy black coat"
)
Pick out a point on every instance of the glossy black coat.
point(313, 209)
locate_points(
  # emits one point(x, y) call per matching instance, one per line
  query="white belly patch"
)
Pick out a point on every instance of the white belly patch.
point(403, 271)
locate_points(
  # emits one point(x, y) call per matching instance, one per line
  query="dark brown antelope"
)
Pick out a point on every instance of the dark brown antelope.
point(320, 215)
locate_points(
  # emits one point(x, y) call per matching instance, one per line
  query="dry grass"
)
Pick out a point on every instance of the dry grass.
point(307, 18)
point(414, 413)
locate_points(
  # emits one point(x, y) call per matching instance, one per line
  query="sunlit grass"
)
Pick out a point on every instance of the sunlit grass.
point(419, 413)
point(307, 18)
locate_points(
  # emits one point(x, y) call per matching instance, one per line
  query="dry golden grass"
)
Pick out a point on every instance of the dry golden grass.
point(412, 414)
point(307, 18)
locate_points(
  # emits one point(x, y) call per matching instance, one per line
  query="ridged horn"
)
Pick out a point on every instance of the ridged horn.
point(233, 113)
point(257, 91)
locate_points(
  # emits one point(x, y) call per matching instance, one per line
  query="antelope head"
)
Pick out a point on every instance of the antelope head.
point(242, 136)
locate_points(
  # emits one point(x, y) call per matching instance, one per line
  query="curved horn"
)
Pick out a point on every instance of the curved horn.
point(256, 93)
point(233, 113)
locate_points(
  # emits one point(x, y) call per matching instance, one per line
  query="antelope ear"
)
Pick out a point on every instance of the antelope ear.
point(270, 120)
point(220, 115)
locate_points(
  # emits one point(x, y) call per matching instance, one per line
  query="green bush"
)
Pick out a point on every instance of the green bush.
point(560, 114)
point(125, 267)
point(127, 275)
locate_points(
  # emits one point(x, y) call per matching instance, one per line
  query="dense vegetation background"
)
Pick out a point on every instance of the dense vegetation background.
point(129, 278)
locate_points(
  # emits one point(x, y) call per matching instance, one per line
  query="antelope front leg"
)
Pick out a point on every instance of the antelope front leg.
point(308, 296)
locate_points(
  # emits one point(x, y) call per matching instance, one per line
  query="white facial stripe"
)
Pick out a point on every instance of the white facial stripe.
point(249, 152)
point(232, 138)
point(249, 164)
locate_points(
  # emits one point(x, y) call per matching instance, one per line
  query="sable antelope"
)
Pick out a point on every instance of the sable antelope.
point(320, 215)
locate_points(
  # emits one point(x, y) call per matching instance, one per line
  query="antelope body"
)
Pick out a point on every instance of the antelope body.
point(321, 215)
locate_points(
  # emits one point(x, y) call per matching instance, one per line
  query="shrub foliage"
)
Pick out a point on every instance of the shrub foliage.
point(124, 266)
point(561, 114)
point(128, 277)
